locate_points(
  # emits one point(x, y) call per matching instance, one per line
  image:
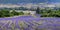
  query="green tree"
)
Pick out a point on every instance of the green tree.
point(37, 11)
point(14, 13)
point(21, 13)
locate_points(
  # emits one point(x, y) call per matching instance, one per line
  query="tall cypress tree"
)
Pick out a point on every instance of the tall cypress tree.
point(37, 10)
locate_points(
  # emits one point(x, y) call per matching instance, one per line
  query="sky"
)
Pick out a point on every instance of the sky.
point(54, 1)
point(27, 1)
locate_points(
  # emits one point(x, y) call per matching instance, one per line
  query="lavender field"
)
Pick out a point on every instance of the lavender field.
point(29, 14)
point(29, 23)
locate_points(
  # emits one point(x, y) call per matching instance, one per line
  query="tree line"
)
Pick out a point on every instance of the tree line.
point(48, 12)
point(7, 13)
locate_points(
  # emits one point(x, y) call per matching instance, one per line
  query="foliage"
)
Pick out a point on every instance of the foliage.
point(21, 13)
point(4, 13)
point(7, 13)
point(37, 11)
point(50, 13)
